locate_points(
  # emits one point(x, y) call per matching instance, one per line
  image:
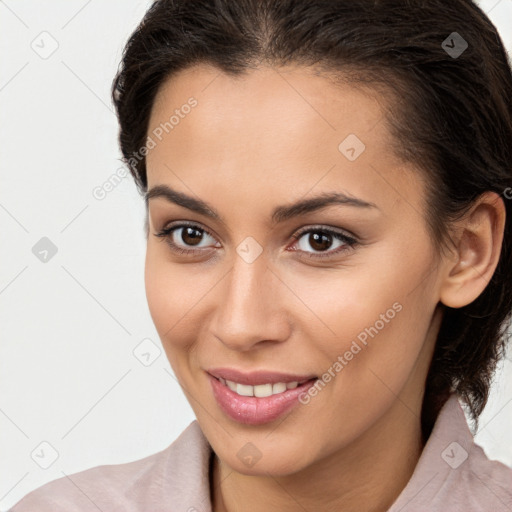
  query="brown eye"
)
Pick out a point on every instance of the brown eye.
point(321, 239)
point(320, 242)
point(191, 236)
point(182, 236)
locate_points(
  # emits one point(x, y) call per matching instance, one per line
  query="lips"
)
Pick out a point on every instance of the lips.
point(258, 377)
point(252, 410)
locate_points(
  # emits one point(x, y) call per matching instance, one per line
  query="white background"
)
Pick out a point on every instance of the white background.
point(69, 326)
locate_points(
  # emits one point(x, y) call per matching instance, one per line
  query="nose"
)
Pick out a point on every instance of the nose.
point(250, 309)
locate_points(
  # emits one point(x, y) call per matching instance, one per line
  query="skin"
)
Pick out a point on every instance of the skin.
point(251, 144)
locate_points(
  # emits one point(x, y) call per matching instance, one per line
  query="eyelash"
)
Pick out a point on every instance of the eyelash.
point(349, 241)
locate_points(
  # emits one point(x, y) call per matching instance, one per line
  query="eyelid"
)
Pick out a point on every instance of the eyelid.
point(185, 224)
point(349, 239)
point(169, 229)
point(349, 242)
point(327, 229)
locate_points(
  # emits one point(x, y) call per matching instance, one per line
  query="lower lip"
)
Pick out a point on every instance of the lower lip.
point(252, 410)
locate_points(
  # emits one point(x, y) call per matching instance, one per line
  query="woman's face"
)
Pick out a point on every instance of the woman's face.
point(249, 296)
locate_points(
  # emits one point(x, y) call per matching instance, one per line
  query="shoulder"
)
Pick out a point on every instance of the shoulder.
point(454, 473)
point(489, 481)
point(134, 486)
point(97, 488)
point(477, 485)
point(485, 484)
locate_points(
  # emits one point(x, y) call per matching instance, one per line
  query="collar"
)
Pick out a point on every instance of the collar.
point(446, 449)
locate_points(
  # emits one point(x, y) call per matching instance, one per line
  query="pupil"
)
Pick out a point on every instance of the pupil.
point(320, 242)
point(193, 234)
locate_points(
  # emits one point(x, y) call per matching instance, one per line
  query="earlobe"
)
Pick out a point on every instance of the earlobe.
point(478, 249)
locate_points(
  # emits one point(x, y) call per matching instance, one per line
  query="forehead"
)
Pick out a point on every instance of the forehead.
point(287, 127)
point(288, 100)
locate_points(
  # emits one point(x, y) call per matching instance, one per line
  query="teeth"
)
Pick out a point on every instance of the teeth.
point(261, 391)
point(244, 390)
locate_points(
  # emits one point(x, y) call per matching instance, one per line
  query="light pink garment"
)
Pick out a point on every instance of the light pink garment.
point(453, 474)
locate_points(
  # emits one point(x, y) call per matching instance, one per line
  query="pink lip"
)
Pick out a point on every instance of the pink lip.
point(258, 377)
point(252, 410)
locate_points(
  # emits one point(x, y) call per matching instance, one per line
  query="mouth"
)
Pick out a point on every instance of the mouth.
point(262, 390)
point(258, 377)
point(257, 404)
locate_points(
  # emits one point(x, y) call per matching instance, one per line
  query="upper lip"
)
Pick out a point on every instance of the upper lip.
point(257, 377)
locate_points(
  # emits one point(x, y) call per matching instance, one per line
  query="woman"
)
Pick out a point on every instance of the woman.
point(328, 254)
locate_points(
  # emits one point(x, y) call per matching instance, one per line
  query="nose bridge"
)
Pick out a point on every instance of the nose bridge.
point(248, 310)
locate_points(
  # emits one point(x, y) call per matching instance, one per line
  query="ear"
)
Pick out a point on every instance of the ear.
point(478, 247)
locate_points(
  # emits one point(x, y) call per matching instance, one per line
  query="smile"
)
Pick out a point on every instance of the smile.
point(260, 403)
point(260, 391)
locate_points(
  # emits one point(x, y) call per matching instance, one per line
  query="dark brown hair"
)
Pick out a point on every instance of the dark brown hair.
point(449, 114)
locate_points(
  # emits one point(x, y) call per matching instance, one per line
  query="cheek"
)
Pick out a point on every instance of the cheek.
point(177, 295)
point(354, 325)
point(157, 286)
point(370, 323)
point(166, 293)
point(168, 310)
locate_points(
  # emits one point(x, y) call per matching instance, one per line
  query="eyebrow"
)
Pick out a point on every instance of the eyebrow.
point(279, 214)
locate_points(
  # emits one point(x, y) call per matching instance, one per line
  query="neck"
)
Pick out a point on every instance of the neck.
point(372, 471)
